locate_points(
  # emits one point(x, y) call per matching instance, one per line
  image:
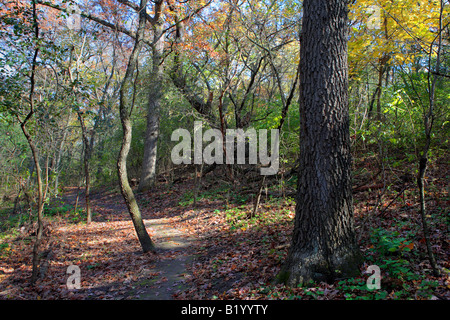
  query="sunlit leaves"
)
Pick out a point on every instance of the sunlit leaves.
point(404, 28)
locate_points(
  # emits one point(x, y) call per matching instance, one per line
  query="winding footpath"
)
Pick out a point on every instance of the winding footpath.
point(173, 248)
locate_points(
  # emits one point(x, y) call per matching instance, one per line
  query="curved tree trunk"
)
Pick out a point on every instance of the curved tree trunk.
point(323, 246)
point(127, 192)
point(126, 107)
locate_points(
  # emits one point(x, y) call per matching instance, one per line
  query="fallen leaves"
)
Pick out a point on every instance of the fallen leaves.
point(107, 253)
point(236, 257)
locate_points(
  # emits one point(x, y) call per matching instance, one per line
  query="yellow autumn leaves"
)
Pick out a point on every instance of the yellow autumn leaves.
point(405, 28)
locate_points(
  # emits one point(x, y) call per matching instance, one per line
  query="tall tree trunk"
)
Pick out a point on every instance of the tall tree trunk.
point(148, 173)
point(144, 239)
point(425, 229)
point(34, 152)
point(126, 108)
point(56, 168)
point(423, 161)
point(382, 69)
point(40, 203)
point(323, 246)
point(87, 151)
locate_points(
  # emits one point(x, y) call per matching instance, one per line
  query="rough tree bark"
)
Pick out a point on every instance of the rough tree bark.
point(148, 173)
point(156, 89)
point(323, 246)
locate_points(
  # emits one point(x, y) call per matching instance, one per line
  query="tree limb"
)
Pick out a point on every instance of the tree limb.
point(91, 17)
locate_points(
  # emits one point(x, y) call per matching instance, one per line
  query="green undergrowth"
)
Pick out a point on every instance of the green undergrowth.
point(67, 212)
point(396, 247)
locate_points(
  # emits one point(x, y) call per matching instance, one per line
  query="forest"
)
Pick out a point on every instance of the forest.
point(224, 150)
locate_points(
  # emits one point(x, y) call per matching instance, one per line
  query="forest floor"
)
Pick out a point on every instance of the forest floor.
point(214, 250)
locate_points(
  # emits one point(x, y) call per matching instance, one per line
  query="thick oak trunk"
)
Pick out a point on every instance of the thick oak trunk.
point(323, 246)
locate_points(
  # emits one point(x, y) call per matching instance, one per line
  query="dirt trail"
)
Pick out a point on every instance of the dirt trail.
point(173, 246)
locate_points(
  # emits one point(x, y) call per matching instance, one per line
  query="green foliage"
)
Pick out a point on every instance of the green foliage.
point(356, 289)
point(186, 199)
point(237, 218)
point(68, 213)
point(12, 222)
point(223, 193)
point(391, 253)
point(387, 243)
point(426, 288)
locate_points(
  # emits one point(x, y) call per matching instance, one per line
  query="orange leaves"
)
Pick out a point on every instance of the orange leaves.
point(111, 10)
point(15, 10)
point(410, 246)
point(104, 251)
point(406, 246)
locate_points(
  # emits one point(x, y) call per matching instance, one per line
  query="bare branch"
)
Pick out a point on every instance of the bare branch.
point(91, 17)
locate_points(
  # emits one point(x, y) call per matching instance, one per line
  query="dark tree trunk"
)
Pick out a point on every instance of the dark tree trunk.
point(323, 246)
point(426, 232)
point(35, 153)
point(423, 162)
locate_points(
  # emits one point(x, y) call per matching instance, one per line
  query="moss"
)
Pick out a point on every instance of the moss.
point(317, 269)
point(348, 267)
point(282, 277)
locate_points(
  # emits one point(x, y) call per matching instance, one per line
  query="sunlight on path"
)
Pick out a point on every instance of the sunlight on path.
point(173, 249)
